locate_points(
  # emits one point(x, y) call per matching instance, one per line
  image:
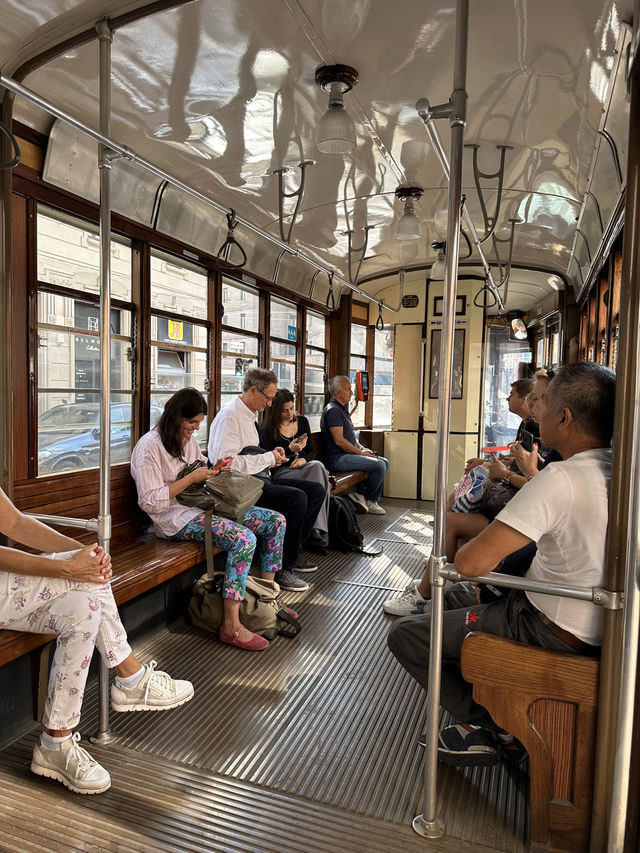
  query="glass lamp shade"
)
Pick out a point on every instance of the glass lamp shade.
point(409, 227)
point(437, 268)
point(336, 131)
point(519, 329)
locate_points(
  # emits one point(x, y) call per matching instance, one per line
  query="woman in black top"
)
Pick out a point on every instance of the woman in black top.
point(281, 427)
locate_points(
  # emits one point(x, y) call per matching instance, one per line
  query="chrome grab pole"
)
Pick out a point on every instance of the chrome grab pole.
point(90, 524)
point(428, 824)
point(104, 735)
point(105, 140)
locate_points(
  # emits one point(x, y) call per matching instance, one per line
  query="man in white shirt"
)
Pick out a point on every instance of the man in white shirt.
point(235, 428)
point(564, 509)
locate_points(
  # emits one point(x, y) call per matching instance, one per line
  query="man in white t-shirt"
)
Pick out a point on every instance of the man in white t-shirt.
point(564, 510)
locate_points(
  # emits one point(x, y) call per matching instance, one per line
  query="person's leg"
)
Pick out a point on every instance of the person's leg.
point(292, 504)
point(269, 527)
point(316, 472)
point(377, 467)
point(315, 493)
point(462, 525)
point(240, 543)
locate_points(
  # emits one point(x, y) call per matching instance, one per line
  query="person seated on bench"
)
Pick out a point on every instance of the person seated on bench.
point(564, 509)
point(68, 593)
point(156, 461)
point(504, 484)
point(343, 451)
point(235, 429)
point(281, 427)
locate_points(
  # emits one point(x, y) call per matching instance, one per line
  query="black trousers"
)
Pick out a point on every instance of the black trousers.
point(511, 616)
point(300, 505)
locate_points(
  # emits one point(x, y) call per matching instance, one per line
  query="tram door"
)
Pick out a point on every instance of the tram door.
point(410, 444)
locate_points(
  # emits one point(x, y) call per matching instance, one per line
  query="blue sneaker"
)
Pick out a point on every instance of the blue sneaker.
point(463, 745)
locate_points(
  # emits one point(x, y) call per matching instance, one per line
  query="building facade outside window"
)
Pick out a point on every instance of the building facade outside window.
point(240, 337)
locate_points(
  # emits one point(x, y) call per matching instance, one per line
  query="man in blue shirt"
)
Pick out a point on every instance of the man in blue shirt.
point(343, 451)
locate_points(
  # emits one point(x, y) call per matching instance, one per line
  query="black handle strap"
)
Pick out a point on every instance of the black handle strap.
point(225, 250)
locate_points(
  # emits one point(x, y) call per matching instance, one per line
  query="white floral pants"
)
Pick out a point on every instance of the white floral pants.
point(83, 615)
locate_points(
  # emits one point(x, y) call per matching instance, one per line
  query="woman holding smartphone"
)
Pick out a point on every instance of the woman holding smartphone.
point(281, 427)
point(156, 461)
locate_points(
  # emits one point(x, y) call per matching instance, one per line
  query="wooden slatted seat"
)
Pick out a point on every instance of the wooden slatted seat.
point(548, 700)
point(141, 561)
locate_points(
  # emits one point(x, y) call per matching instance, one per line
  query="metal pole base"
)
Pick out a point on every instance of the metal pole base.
point(102, 738)
point(428, 828)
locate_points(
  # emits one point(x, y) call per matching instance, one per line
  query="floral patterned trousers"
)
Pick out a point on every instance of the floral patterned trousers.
point(263, 526)
point(83, 615)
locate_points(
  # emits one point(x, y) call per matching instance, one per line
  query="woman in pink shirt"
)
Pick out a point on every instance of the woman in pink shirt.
point(156, 461)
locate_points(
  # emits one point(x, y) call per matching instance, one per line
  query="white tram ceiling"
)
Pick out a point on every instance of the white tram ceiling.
point(220, 93)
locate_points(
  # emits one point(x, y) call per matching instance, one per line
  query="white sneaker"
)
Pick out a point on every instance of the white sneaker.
point(409, 603)
point(375, 509)
point(157, 691)
point(359, 500)
point(72, 765)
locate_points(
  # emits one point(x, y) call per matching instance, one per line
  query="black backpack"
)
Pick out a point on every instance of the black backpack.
point(344, 531)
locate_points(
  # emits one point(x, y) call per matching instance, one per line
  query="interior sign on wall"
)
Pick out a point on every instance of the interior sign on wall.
point(411, 301)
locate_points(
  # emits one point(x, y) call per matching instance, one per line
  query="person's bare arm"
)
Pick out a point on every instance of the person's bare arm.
point(483, 553)
point(29, 531)
point(337, 434)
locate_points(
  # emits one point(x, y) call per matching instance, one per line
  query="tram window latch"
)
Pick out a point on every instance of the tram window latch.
point(606, 598)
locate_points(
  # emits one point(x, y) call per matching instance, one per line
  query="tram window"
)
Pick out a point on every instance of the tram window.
point(69, 255)
point(358, 361)
point(241, 307)
point(283, 347)
point(239, 353)
point(383, 377)
point(315, 366)
point(504, 360)
point(282, 360)
point(178, 286)
point(178, 357)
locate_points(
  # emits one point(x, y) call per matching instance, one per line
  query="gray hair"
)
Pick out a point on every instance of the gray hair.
point(588, 390)
point(260, 378)
point(335, 382)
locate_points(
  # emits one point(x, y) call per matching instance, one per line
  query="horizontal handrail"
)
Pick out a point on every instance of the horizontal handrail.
point(91, 524)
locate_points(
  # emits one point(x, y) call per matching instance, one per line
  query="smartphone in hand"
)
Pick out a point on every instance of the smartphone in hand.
point(217, 468)
point(300, 437)
point(527, 440)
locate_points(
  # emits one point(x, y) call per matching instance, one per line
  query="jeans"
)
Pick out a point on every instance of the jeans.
point(375, 466)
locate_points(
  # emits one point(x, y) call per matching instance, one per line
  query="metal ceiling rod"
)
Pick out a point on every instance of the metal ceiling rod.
point(426, 114)
point(129, 154)
point(427, 823)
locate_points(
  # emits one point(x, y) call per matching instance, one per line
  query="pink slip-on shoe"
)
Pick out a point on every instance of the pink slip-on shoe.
point(255, 644)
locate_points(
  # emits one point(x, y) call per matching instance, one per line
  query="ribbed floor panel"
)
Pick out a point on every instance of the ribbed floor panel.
point(308, 746)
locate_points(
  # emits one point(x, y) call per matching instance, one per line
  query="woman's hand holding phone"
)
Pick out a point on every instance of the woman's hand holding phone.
point(221, 465)
point(299, 443)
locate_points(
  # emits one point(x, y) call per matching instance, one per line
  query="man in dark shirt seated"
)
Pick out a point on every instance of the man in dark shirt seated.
point(343, 451)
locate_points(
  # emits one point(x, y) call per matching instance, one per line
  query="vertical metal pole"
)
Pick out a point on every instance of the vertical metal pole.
point(427, 823)
point(619, 664)
point(104, 735)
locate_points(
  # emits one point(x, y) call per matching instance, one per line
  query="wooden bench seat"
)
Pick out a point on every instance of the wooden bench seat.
point(548, 700)
point(343, 479)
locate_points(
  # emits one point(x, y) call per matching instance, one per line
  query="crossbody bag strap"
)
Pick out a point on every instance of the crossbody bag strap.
point(208, 540)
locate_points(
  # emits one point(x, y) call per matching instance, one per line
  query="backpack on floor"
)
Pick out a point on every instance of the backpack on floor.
point(344, 531)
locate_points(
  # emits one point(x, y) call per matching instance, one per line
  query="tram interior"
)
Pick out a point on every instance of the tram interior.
point(240, 238)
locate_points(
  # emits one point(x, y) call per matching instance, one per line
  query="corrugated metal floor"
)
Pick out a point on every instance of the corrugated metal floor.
point(309, 746)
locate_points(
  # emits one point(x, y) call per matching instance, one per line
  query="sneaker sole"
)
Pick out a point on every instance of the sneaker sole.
point(403, 612)
point(53, 774)
point(481, 758)
point(295, 588)
point(300, 571)
point(176, 704)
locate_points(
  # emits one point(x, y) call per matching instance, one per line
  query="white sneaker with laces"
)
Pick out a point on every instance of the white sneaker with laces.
point(409, 603)
point(375, 509)
point(157, 691)
point(72, 765)
point(359, 500)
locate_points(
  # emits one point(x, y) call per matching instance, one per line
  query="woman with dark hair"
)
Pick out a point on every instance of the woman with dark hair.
point(281, 427)
point(156, 461)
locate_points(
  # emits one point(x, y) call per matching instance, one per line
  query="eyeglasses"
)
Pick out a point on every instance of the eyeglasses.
point(551, 373)
point(266, 396)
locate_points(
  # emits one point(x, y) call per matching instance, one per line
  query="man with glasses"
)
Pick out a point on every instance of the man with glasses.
point(234, 430)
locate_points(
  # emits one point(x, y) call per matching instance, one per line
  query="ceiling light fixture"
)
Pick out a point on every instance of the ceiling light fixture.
point(409, 227)
point(518, 326)
point(438, 266)
point(336, 129)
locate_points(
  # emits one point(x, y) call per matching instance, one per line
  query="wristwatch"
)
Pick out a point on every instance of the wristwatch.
point(506, 480)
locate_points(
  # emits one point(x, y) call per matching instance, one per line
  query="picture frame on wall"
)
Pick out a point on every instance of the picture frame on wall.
point(457, 382)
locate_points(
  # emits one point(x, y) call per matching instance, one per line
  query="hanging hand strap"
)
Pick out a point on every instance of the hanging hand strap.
point(225, 250)
point(379, 321)
point(331, 300)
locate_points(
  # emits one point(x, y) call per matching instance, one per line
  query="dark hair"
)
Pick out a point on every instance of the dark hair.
point(522, 387)
point(186, 403)
point(588, 390)
point(273, 415)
